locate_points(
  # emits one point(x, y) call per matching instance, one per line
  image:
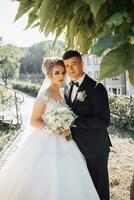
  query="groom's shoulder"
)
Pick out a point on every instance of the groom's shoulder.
point(91, 82)
point(94, 84)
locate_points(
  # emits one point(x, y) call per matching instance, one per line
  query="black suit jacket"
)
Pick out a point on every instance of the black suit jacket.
point(93, 113)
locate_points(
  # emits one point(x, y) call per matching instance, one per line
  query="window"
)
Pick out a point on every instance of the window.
point(115, 78)
point(96, 60)
point(109, 90)
point(119, 91)
point(89, 74)
point(89, 61)
point(96, 75)
point(114, 90)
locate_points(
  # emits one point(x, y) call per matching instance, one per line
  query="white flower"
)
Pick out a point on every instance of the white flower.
point(81, 96)
point(60, 120)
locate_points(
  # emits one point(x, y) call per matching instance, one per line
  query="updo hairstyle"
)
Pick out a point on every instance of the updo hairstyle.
point(49, 63)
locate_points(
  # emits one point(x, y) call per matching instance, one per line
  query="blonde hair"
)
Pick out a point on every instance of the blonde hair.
point(49, 63)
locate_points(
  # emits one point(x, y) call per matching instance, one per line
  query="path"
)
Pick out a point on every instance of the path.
point(25, 109)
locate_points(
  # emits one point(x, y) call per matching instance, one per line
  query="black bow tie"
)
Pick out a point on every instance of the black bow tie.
point(74, 83)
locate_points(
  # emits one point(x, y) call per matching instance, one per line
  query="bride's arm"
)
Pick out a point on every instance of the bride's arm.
point(36, 120)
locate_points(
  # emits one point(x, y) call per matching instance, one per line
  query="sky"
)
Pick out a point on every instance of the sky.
point(13, 32)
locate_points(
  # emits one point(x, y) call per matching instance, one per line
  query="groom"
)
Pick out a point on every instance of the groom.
point(90, 103)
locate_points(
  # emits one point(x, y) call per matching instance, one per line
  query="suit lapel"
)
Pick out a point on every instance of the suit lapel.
point(68, 94)
point(81, 88)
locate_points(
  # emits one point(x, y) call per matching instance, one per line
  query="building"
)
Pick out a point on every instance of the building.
point(129, 87)
point(119, 85)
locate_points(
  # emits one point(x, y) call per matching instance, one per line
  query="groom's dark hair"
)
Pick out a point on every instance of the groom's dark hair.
point(70, 54)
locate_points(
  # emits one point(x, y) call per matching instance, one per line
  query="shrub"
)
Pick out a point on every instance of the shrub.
point(29, 88)
point(6, 98)
point(7, 135)
point(121, 106)
point(122, 111)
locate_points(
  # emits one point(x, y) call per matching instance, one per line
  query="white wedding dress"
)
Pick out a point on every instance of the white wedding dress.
point(46, 167)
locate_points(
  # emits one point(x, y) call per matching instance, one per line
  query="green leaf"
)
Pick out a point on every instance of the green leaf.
point(37, 5)
point(119, 5)
point(109, 22)
point(106, 42)
point(47, 13)
point(95, 5)
point(83, 40)
point(78, 6)
point(132, 27)
point(117, 61)
point(23, 8)
point(72, 30)
point(35, 25)
point(102, 16)
point(31, 19)
point(117, 19)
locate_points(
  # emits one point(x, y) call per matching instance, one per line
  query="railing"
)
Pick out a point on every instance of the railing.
point(9, 107)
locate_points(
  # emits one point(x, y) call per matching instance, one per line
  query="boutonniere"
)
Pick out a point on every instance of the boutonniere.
point(81, 96)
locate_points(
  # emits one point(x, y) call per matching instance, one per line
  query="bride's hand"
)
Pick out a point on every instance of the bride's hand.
point(66, 133)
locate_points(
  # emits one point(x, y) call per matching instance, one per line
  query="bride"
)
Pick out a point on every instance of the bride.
point(46, 166)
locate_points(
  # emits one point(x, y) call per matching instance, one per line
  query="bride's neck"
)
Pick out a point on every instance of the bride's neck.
point(54, 88)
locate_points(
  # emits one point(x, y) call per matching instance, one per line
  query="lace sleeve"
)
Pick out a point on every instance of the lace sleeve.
point(42, 98)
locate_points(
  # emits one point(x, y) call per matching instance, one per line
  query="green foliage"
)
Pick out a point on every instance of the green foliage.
point(7, 135)
point(121, 107)
point(117, 19)
point(6, 97)
point(23, 8)
point(106, 42)
point(117, 61)
point(95, 5)
point(32, 59)
point(29, 88)
point(9, 62)
point(96, 25)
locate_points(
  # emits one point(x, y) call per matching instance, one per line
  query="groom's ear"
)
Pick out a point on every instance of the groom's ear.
point(82, 63)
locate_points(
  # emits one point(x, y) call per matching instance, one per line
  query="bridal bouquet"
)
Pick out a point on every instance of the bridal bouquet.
point(60, 120)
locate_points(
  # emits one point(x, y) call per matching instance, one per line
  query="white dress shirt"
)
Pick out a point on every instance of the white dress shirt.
point(75, 88)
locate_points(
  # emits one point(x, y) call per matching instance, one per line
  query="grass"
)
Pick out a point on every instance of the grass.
point(121, 163)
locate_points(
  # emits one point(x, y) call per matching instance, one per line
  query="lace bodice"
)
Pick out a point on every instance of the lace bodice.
point(50, 102)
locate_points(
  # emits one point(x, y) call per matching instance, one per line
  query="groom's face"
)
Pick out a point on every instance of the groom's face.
point(74, 67)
